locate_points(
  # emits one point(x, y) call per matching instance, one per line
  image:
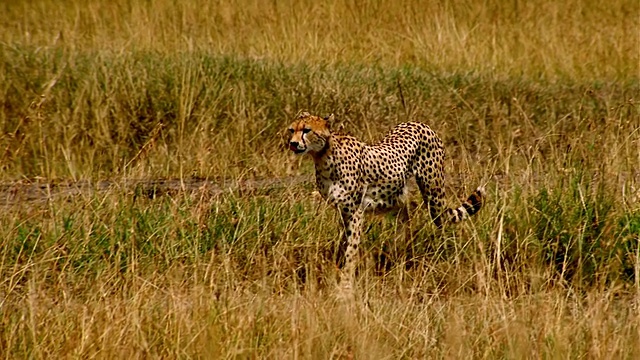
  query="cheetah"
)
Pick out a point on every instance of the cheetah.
point(358, 178)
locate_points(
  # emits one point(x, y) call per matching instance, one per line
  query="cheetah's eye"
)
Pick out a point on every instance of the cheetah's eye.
point(290, 130)
point(306, 130)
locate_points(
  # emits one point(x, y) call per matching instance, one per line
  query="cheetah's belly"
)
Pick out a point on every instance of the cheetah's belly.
point(384, 196)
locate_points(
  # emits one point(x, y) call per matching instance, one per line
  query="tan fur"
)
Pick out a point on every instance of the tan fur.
point(357, 177)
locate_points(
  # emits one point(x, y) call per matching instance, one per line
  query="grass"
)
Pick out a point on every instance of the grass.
point(536, 100)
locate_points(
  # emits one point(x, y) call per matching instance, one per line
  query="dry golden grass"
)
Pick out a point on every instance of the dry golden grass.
point(578, 38)
point(538, 100)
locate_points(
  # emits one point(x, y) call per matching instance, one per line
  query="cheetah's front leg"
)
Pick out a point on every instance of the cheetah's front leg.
point(352, 217)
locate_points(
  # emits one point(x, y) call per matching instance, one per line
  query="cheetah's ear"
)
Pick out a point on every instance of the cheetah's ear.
point(330, 118)
point(303, 114)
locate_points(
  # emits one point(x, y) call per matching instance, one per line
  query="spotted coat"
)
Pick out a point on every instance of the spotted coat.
point(357, 177)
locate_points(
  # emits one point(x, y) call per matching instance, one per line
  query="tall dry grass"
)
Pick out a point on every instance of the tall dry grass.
point(538, 100)
point(579, 38)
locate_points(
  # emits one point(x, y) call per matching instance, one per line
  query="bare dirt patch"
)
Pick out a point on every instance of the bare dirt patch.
point(41, 191)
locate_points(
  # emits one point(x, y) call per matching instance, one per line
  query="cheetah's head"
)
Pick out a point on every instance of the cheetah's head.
point(309, 134)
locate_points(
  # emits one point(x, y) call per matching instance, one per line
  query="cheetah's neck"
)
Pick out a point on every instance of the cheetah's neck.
point(332, 165)
point(325, 162)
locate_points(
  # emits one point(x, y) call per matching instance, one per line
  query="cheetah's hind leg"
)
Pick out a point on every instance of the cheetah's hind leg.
point(433, 196)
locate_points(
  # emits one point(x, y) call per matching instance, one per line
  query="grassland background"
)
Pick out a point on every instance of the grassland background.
point(537, 100)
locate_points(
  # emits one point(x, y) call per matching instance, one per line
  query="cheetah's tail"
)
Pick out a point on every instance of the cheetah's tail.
point(472, 205)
